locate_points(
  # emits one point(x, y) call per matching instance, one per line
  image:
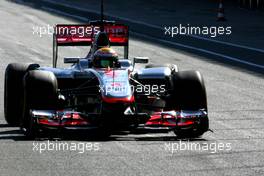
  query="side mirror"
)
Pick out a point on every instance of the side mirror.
point(140, 60)
point(68, 60)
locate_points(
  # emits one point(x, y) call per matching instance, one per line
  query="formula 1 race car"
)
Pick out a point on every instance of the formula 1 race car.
point(103, 92)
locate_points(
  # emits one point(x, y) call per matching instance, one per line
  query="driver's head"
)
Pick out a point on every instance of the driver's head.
point(105, 58)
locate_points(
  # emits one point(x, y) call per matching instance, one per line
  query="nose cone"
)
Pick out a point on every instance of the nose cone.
point(115, 87)
point(124, 100)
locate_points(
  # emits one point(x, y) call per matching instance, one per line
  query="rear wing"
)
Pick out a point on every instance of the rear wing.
point(84, 34)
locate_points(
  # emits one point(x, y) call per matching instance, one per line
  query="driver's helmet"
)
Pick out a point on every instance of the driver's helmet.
point(101, 40)
point(105, 58)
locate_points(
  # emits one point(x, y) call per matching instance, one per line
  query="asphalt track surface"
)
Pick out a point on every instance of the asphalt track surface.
point(235, 103)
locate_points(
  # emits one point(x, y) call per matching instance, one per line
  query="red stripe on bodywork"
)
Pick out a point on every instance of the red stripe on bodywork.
point(130, 99)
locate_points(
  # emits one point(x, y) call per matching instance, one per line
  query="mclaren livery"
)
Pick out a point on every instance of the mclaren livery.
point(103, 92)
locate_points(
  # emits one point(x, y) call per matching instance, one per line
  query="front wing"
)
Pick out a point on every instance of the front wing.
point(77, 120)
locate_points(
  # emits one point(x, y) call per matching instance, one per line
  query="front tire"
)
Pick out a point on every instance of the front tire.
point(13, 92)
point(189, 93)
point(31, 131)
point(196, 132)
point(40, 94)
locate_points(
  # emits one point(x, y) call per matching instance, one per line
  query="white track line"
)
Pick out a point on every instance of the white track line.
point(229, 44)
point(202, 50)
point(157, 27)
point(64, 13)
point(167, 42)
